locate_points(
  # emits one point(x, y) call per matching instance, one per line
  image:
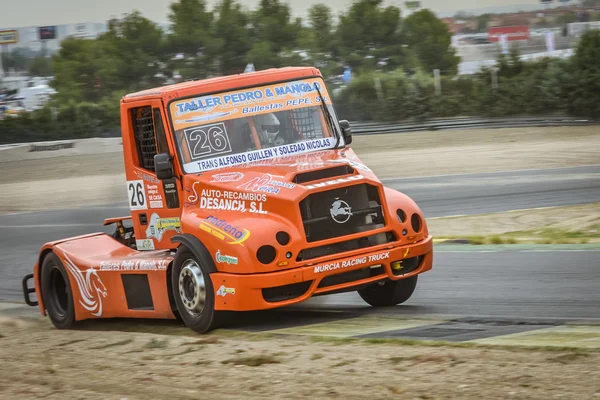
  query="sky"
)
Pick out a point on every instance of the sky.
point(16, 13)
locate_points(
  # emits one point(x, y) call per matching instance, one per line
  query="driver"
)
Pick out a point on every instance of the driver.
point(268, 127)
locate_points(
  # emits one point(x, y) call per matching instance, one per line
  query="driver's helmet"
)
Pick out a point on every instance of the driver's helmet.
point(267, 126)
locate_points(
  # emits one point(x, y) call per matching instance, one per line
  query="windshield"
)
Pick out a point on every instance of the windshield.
point(242, 126)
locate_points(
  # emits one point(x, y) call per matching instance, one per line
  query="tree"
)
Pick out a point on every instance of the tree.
point(273, 32)
point(135, 46)
point(585, 93)
point(191, 26)
point(368, 34)
point(321, 23)
point(482, 22)
point(231, 31)
point(125, 58)
point(77, 68)
point(40, 66)
point(429, 37)
point(18, 59)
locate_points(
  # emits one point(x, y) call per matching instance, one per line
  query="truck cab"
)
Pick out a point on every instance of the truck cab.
point(245, 195)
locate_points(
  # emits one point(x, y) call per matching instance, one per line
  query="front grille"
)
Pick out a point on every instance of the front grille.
point(340, 212)
point(285, 292)
point(351, 276)
point(347, 245)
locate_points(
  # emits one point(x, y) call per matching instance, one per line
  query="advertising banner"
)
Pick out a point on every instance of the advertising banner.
point(9, 37)
point(47, 32)
point(520, 32)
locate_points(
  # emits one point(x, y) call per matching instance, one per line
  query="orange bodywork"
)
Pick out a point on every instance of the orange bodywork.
point(235, 210)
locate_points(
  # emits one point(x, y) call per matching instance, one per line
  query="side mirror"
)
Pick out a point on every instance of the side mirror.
point(163, 166)
point(346, 131)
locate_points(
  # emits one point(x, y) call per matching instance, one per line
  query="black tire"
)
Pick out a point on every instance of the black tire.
point(56, 292)
point(204, 319)
point(391, 293)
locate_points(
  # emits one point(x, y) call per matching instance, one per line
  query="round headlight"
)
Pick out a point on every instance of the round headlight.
point(266, 254)
point(282, 237)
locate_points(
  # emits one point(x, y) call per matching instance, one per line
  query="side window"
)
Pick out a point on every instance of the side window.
point(150, 137)
point(145, 141)
point(161, 137)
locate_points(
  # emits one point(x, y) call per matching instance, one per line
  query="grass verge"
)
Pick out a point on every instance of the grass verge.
point(536, 236)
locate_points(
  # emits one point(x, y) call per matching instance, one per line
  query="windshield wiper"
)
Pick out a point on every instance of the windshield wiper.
point(328, 117)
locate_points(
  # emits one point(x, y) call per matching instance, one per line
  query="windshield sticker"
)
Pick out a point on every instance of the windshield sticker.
point(207, 141)
point(222, 106)
point(258, 155)
point(255, 124)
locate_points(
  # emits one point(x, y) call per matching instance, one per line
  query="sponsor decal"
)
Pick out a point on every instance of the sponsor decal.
point(206, 117)
point(158, 226)
point(144, 244)
point(226, 200)
point(154, 196)
point(147, 177)
point(340, 211)
point(156, 204)
point(227, 177)
point(335, 182)
point(352, 262)
point(223, 291)
point(221, 229)
point(258, 155)
point(267, 98)
point(91, 289)
point(267, 184)
point(222, 258)
point(134, 265)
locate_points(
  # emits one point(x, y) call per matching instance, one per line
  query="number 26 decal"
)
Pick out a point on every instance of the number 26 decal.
point(136, 195)
point(207, 140)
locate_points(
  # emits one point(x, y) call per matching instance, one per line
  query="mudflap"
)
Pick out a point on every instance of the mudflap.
point(27, 291)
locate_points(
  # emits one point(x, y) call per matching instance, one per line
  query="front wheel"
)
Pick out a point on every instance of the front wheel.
point(390, 293)
point(193, 292)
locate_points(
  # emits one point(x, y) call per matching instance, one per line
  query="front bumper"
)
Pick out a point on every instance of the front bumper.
point(247, 292)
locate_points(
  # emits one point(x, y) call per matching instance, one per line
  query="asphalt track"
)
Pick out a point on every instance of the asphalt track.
point(515, 284)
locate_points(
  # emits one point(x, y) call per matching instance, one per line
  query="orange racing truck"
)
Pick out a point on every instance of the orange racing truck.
point(244, 195)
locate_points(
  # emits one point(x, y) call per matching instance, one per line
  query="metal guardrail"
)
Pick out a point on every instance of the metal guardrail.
point(367, 128)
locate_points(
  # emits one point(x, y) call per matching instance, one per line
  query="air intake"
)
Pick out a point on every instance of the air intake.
point(323, 174)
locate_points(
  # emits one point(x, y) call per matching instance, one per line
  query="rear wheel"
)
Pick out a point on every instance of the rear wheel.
point(390, 293)
point(193, 291)
point(56, 292)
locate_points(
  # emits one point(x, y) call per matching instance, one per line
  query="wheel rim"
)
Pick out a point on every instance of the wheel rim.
point(192, 287)
point(58, 292)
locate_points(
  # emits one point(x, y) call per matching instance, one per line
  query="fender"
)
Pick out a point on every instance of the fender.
point(197, 248)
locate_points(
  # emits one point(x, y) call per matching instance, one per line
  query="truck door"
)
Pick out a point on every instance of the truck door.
point(155, 205)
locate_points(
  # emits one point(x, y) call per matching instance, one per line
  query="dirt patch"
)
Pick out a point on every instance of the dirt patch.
point(569, 224)
point(39, 361)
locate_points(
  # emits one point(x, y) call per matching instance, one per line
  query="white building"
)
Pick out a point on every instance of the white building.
point(29, 35)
